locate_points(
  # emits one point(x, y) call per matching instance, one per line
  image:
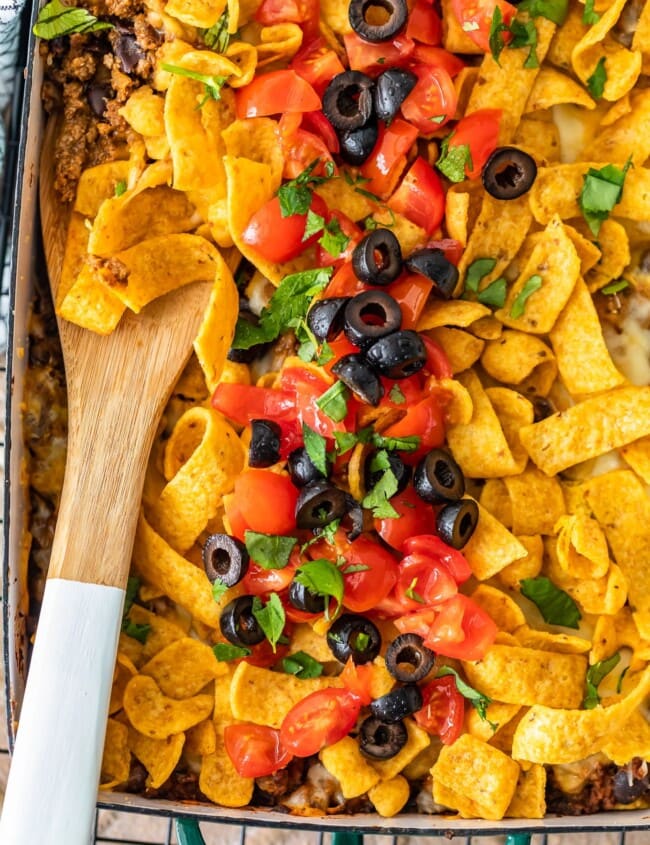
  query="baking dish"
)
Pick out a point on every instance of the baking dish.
point(26, 264)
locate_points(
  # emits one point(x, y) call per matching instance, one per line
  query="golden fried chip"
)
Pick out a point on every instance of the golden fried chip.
point(160, 633)
point(479, 773)
point(549, 736)
point(570, 437)
point(158, 756)
point(457, 215)
point(116, 759)
point(280, 41)
point(158, 716)
point(179, 579)
point(497, 714)
point(347, 764)
point(256, 139)
point(529, 800)
point(124, 670)
point(143, 111)
point(462, 348)
point(454, 312)
point(418, 740)
point(537, 502)
point(527, 566)
point(183, 668)
point(99, 183)
point(513, 411)
point(201, 13)
point(480, 446)
point(453, 37)
point(491, 547)
point(495, 499)
point(458, 402)
point(637, 456)
point(582, 547)
point(641, 37)
point(631, 740)
point(220, 781)
point(244, 56)
point(519, 675)
point(588, 252)
point(545, 641)
point(91, 301)
point(606, 594)
point(201, 740)
point(615, 246)
point(516, 356)
point(552, 87)
point(566, 37)
point(74, 255)
point(500, 607)
point(540, 139)
point(625, 138)
point(390, 796)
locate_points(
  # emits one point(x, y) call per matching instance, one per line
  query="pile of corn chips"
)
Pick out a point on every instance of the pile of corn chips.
point(562, 495)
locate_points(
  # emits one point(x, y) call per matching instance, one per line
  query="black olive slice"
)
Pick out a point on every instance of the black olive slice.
point(348, 101)
point(455, 523)
point(354, 636)
point(225, 558)
point(301, 469)
point(377, 258)
point(408, 659)
point(355, 516)
point(381, 740)
point(433, 264)
point(355, 372)
point(387, 18)
point(508, 173)
point(628, 788)
point(397, 704)
point(358, 144)
point(400, 470)
point(128, 52)
point(371, 315)
point(398, 355)
point(319, 502)
point(237, 623)
point(98, 97)
point(391, 89)
point(438, 478)
point(325, 317)
point(302, 598)
point(264, 449)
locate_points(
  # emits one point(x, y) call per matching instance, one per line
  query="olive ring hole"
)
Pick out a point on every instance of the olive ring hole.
point(374, 314)
point(376, 12)
point(508, 176)
point(444, 474)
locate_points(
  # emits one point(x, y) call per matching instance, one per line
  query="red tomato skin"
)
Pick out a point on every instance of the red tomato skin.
point(424, 419)
point(432, 103)
point(452, 248)
point(411, 292)
point(417, 622)
point(267, 501)
point(300, 150)
point(468, 13)
point(278, 238)
point(255, 750)
point(443, 709)
point(245, 402)
point(438, 57)
point(363, 590)
point(277, 92)
point(432, 546)
point(358, 680)
point(461, 629)
point(433, 582)
point(351, 231)
point(480, 130)
point(259, 581)
point(437, 362)
point(388, 157)
point(321, 718)
point(344, 283)
point(316, 123)
point(415, 517)
point(420, 197)
point(424, 24)
point(318, 64)
point(374, 59)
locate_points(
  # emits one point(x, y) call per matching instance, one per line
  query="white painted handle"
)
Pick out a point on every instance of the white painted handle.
point(52, 789)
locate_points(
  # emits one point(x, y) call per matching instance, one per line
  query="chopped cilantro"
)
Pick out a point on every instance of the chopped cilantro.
point(345, 440)
point(213, 84)
point(411, 592)
point(325, 355)
point(495, 38)
point(316, 447)
point(601, 190)
point(334, 240)
point(217, 36)
point(225, 651)
point(313, 225)
point(524, 34)
point(494, 294)
point(302, 665)
point(218, 589)
point(621, 678)
point(378, 498)
point(355, 567)
point(519, 305)
point(132, 587)
point(56, 19)
point(454, 160)
point(476, 698)
point(477, 270)
point(589, 15)
point(334, 402)
point(322, 577)
point(136, 631)
point(556, 606)
point(396, 395)
point(552, 10)
point(269, 551)
point(133, 629)
point(615, 287)
point(595, 674)
point(120, 188)
point(296, 194)
point(270, 617)
point(597, 80)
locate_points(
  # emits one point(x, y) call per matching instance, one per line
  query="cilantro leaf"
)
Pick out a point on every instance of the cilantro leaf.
point(589, 15)
point(133, 629)
point(56, 19)
point(453, 160)
point(396, 395)
point(213, 84)
point(120, 188)
point(269, 551)
point(218, 589)
point(552, 10)
point(270, 617)
point(597, 80)
point(519, 305)
point(476, 698)
point(334, 402)
point(595, 674)
point(477, 270)
point(217, 36)
point(494, 294)
point(136, 631)
point(226, 651)
point(323, 578)
point(556, 606)
point(355, 567)
point(314, 224)
point(495, 38)
point(289, 304)
point(325, 355)
point(345, 440)
point(378, 498)
point(621, 678)
point(334, 240)
point(316, 447)
point(615, 287)
point(524, 34)
point(601, 191)
point(302, 665)
point(132, 587)
point(295, 195)
point(411, 592)
point(408, 443)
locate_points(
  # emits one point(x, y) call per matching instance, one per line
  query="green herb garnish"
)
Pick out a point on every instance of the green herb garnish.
point(589, 15)
point(476, 271)
point(597, 80)
point(519, 305)
point(552, 10)
point(295, 195)
point(323, 578)
point(225, 651)
point(454, 159)
point(56, 19)
point(411, 592)
point(378, 498)
point(120, 188)
point(270, 617)
point(524, 34)
point(334, 402)
point(556, 606)
point(334, 240)
point(396, 395)
point(615, 287)
point(218, 589)
point(213, 84)
point(595, 674)
point(302, 665)
point(269, 551)
point(136, 631)
point(494, 294)
point(476, 698)
point(316, 448)
point(217, 36)
point(495, 38)
point(601, 191)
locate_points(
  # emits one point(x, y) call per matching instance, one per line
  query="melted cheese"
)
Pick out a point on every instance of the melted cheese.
point(630, 347)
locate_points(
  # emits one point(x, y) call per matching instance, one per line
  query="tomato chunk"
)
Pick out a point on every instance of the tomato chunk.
point(277, 92)
point(255, 750)
point(461, 629)
point(480, 131)
point(443, 709)
point(432, 102)
point(320, 719)
point(475, 18)
point(266, 501)
point(420, 197)
point(278, 238)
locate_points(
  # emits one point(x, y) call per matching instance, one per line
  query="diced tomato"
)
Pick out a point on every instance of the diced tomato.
point(350, 230)
point(437, 362)
point(424, 23)
point(242, 403)
point(263, 654)
point(432, 102)
point(279, 238)
point(317, 124)
point(320, 719)
point(374, 59)
point(255, 750)
point(340, 347)
point(300, 150)
point(358, 679)
point(438, 57)
point(420, 197)
point(433, 546)
point(308, 387)
point(303, 12)
point(423, 581)
point(452, 248)
point(317, 63)
point(259, 581)
point(267, 501)
point(388, 158)
point(475, 18)
point(443, 709)
point(412, 292)
point(344, 283)
point(237, 523)
point(461, 629)
point(418, 622)
point(414, 517)
point(277, 92)
point(425, 419)
point(480, 130)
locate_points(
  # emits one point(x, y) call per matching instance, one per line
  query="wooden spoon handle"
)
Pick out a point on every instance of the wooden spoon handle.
point(52, 788)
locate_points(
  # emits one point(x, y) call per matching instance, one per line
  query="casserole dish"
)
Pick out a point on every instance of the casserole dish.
point(27, 263)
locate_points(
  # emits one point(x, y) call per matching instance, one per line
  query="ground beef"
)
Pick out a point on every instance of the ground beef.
point(596, 794)
point(272, 788)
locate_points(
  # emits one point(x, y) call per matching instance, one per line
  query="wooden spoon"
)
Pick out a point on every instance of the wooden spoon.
point(117, 389)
